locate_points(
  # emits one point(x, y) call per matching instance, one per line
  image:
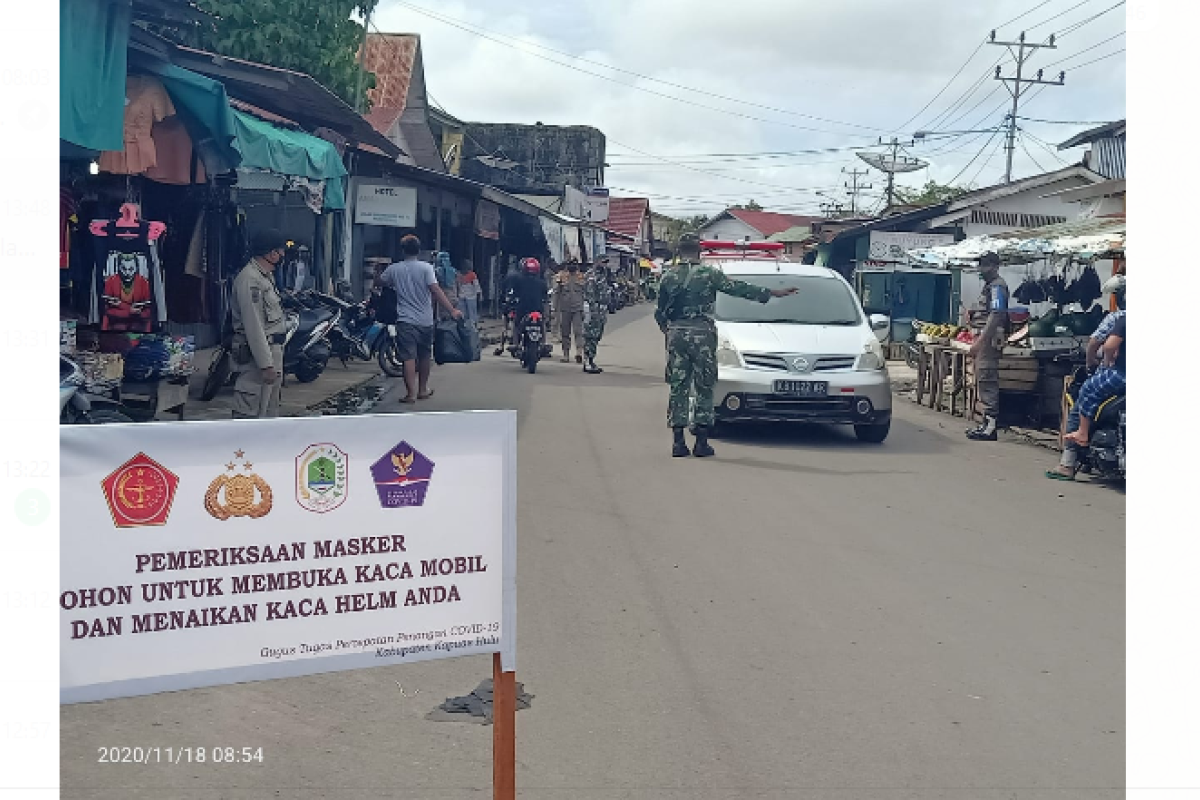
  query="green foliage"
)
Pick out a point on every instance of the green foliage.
point(930, 194)
point(316, 37)
point(751, 206)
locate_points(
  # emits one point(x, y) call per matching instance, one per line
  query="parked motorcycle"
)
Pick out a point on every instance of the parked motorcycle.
point(358, 335)
point(1105, 455)
point(306, 349)
point(76, 406)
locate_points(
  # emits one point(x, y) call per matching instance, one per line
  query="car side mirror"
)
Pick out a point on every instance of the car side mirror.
point(880, 322)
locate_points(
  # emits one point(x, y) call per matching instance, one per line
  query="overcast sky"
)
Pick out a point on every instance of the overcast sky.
point(866, 68)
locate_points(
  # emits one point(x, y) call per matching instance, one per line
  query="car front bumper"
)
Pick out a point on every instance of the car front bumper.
point(854, 398)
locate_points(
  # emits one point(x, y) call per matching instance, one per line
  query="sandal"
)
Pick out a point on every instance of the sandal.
point(407, 400)
point(425, 396)
point(1055, 475)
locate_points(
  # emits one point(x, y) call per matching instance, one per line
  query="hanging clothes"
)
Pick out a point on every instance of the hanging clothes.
point(128, 293)
point(68, 219)
point(146, 102)
point(176, 162)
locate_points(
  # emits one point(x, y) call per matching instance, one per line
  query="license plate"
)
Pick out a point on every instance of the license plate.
point(802, 388)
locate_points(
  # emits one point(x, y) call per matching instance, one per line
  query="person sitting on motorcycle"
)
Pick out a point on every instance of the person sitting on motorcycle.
point(529, 294)
point(1106, 350)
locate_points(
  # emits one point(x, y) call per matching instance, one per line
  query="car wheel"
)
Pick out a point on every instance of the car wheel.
point(874, 434)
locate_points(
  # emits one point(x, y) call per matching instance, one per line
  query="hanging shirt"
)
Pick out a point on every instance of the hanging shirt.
point(127, 285)
point(173, 155)
point(67, 219)
point(146, 102)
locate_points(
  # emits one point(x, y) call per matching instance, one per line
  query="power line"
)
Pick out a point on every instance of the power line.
point(694, 169)
point(1046, 147)
point(1058, 15)
point(1031, 158)
point(1089, 20)
point(1062, 121)
point(456, 24)
point(1098, 60)
point(953, 180)
point(1085, 50)
point(983, 166)
point(1018, 85)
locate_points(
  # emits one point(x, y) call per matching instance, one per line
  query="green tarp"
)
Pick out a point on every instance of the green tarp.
point(93, 38)
point(263, 146)
point(203, 107)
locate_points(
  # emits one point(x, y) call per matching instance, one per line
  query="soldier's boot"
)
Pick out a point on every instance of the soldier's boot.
point(985, 432)
point(566, 358)
point(680, 448)
point(590, 367)
point(702, 449)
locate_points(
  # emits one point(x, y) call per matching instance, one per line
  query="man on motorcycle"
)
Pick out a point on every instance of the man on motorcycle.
point(1106, 354)
point(528, 291)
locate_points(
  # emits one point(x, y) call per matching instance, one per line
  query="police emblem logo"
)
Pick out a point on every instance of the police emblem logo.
point(140, 492)
point(321, 478)
point(238, 492)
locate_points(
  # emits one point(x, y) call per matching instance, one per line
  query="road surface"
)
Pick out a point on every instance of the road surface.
point(803, 616)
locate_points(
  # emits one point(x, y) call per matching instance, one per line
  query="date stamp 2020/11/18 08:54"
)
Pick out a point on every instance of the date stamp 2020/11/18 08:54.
point(179, 755)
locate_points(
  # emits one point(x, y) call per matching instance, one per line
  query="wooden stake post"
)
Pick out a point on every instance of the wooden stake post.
point(504, 732)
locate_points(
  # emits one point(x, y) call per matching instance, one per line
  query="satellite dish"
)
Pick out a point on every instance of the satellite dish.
point(885, 162)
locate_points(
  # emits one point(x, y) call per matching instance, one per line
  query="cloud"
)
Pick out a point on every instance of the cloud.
point(870, 63)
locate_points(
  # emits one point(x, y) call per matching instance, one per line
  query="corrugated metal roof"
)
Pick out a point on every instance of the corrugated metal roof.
point(769, 222)
point(799, 233)
point(1089, 238)
point(1107, 131)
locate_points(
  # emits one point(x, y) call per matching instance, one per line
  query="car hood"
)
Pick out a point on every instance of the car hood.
point(771, 337)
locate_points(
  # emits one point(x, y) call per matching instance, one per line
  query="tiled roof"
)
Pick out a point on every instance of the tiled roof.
point(383, 118)
point(625, 215)
point(392, 57)
point(769, 223)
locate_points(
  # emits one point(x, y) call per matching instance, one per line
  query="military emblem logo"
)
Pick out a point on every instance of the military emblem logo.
point(321, 473)
point(402, 477)
point(140, 492)
point(238, 492)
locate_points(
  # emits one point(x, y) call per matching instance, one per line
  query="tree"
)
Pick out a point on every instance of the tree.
point(316, 37)
point(930, 194)
point(751, 206)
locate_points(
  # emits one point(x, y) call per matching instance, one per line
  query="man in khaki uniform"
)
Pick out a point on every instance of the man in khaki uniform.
point(568, 301)
point(258, 330)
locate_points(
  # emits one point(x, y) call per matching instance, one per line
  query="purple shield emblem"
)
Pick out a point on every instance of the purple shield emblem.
point(402, 477)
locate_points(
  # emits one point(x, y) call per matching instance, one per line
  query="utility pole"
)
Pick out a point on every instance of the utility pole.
point(855, 187)
point(1024, 50)
point(362, 62)
point(891, 161)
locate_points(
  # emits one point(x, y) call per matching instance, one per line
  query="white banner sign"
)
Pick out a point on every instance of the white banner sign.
point(386, 205)
point(894, 247)
point(204, 553)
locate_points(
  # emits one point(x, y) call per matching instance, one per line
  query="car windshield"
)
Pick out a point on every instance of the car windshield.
point(818, 301)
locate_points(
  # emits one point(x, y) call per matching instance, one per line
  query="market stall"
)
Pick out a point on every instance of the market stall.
point(1055, 274)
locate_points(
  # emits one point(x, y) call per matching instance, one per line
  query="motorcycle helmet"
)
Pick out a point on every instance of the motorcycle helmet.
point(531, 265)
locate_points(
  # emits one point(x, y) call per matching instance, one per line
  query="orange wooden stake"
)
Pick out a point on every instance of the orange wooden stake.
point(504, 732)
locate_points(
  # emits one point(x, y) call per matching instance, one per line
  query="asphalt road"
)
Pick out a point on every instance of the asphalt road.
point(803, 616)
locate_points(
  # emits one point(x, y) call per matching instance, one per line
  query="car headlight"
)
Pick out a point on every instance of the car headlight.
point(727, 354)
point(872, 358)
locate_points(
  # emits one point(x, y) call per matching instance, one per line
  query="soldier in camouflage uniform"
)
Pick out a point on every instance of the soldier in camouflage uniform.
point(685, 314)
point(595, 313)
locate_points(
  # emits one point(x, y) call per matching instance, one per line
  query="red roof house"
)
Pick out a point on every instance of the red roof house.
point(738, 223)
point(629, 219)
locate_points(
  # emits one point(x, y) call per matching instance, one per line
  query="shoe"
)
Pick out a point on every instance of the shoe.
point(702, 449)
point(680, 448)
point(591, 369)
point(565, 360)
point(578, 358)
point(982, 435)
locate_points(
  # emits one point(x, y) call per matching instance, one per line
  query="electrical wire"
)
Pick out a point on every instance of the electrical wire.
point(1089, 20)
point(953, 180)
point(983, 166)
point(1058, 15)
point(1021, 141)
point(1098, 60)
point(483, 35)
point(1045, 146)
point(1085, 50)
point(694, 169)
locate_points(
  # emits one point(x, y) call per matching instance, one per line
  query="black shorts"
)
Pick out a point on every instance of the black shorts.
point(414, 342)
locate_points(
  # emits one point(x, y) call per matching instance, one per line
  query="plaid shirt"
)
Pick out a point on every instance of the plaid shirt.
point(1106, 327)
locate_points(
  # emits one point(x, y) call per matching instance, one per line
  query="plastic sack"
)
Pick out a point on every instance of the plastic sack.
point(456, 342)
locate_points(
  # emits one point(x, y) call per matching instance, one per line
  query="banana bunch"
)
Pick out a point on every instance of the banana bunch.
point(940, 331)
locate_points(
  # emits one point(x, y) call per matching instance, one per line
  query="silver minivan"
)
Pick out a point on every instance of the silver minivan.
point(809, 357)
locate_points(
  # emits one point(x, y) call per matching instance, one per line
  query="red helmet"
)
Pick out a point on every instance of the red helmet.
point(530, 265)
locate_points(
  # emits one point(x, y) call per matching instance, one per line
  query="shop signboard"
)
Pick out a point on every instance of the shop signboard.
point(206, 553)
point(394, 206)
point(892, 248)
point(487, 219)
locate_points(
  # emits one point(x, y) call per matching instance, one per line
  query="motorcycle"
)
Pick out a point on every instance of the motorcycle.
point(79, 407)
point(1105, 455)
point(532, 346)
point(358, 335)
point(306, 349)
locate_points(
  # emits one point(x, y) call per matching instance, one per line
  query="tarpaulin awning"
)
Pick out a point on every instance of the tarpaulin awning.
point(93, 39)
point(288, 152)
point(1081, 239)
point(203, 106)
